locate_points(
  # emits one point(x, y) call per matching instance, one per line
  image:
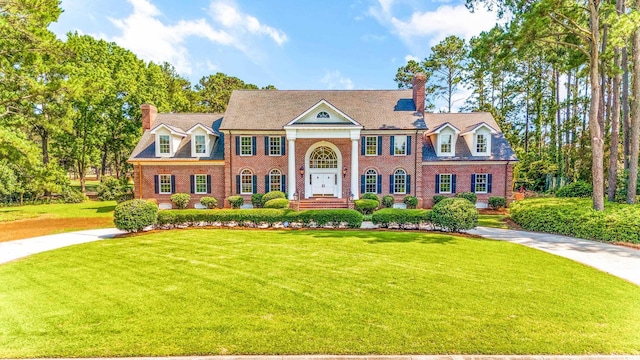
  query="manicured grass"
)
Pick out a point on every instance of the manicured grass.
point(493, 221)
point(87, 209)
point(196, 292)
point(89, 185)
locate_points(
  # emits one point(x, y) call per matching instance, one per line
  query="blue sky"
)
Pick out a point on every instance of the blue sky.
point(292, 44)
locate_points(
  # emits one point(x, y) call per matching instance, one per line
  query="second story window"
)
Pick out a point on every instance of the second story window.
point(400, 145)
point(275, 145)
point(246, 145)
point(164, 144)
point(481, 143)
point(201, 145)
point(371, 145)
point(445, 145)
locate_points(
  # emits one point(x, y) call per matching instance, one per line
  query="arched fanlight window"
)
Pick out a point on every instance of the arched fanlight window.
point(323, 158)
point(275, 180)
point(371, 181)
point(246, 182)
point(399, 182)
point(323, 115)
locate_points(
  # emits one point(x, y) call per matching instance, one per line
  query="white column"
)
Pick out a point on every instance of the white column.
point(291, 171)
point(354, 168)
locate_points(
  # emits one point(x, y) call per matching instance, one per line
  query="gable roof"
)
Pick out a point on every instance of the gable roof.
point(500, 151)
point(317, 105)
point(273, 109)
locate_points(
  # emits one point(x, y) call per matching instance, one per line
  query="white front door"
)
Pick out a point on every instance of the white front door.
point(323, 184)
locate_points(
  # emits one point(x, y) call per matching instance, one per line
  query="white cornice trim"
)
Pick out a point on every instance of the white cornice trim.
point(318, 104)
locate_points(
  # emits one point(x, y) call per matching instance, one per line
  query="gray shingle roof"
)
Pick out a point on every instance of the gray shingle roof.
point(500, 151)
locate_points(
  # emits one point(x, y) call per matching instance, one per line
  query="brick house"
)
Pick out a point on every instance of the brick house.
point(323, 147)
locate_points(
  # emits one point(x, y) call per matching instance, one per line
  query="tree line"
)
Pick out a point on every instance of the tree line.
point(561, 78)
point(71, 106)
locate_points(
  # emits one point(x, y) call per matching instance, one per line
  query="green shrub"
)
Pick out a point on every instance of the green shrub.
point(235, 201)
point(70, 196)
point(454, 214)
point(180, 200)
point(366, 206)
point(325, 217)
point(472, 197)
point(575, 217)
point(410, 201)
point(579, 189)
point(388, 201)
point(438, 198)
point(209, 201)
point(256, 200)
point(111, 188)
point(273, 195)
point(135, 215)
point(497, 202)
point(370, 196)
point(277, 204)
point(384, 217)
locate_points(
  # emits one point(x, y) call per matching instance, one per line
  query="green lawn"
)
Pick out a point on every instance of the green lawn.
point(493, 221)
point(83, 210)
point(196, 292)
point(90, 185)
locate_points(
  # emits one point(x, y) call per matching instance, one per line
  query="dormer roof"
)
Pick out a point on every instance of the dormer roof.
point(173, 130)
point(206, 129)
point(443, 126)
point(476, 127)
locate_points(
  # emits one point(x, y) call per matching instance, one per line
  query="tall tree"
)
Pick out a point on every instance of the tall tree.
point(635, 116)
point(213, 92)
point(447, 63)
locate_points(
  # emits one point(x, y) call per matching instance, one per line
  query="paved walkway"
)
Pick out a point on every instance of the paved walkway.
point(620, 261)
point(12, 250)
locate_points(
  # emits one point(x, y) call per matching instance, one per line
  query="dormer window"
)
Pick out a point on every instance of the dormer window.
point(164, 142)
point(323, 115)
point(478, 139)
point(201, 140)
point(445, 144)
point(200, 144)
point(481, 143)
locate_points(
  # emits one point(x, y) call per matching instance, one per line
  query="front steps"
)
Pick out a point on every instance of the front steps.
point(323, 203)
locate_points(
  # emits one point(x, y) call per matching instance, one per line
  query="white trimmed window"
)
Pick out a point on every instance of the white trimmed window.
point(246, 145)
point(481, 143)
point(200, 184)
point(200, 144)
point(164, 182)
point(371, 181)
point(445, 145)
point(275, 180)
point(445, 184)
point(371, 145)
point(481, 184)
point(246, 182)
point(164, 143)
point(323, 115)
point(400, 182)
point(275, 146)
point(400, 145)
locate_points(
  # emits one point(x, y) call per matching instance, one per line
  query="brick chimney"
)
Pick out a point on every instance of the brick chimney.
point(419, 81)
point(149, 113)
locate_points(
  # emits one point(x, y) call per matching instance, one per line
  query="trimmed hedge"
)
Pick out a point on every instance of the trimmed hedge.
point(370, 196)
point(277, 204)
point(180, 200)
point(388, 201)
point(384, 217)
point(256, 200)
point(438, 198)
point(454, 214)
point(579, 189)
point(134, 215)
point(366, 206)
point(306, 218)
point(411, 201)
point(472, 197)
point(235, 201)
point(209, 201)
point(273, 195)
point(497, 202)
point(575, 217)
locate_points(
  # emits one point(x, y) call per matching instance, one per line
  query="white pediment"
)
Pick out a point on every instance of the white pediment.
point(323, 113)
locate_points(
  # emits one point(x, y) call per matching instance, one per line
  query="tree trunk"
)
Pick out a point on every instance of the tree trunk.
point(597, 143)
point(635, 118)
point(626, 122)
point(615, 129)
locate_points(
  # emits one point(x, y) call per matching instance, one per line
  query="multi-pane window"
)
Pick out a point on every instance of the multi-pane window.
point(481, 143)
point(246, 182)
point(275, 180)
point(400, 182)
point(371, 181)
point(201, 184)
point(323, 115)
point(445, 145)
point(400, 145)
point(165, 148)
point(323, 158)
point(371, 145)
point(275, 145)
point(246, 145)
point(445, 183)
point(165, 184)
point(201, 145)
point(481, 183)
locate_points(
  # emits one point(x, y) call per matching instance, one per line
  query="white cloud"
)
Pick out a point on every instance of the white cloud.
point(335, 80)
point(226, 13)
point(411, 57)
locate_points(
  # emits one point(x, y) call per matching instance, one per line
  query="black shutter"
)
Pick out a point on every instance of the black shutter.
point(208, 184)
point(255, 184)
point(408, 184)
point(390, 184)
point(453, 183)
point(192, 181)
point(253, 145)
point(283, 183)
point(489, 180)
point(379, 185)
point(173, 184)
point(283, 146)
point(473, 183)
point(266, 145)
point(237, 145)
point(437, 183)
point(237, 184)
point(156, 183)
point(363, 145)
point(391, 152)
point(379, 145)
point(408, 145)
point(362, 187)
point(266, 184)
